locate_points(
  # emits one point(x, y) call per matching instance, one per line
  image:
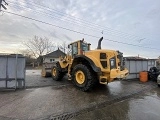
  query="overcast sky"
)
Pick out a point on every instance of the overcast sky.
point(136, 23)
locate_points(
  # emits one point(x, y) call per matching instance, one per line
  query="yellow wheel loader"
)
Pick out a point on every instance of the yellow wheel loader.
point(86, 67)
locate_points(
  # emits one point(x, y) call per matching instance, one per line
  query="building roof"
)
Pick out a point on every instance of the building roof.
point(137, 58)
point(11, 55)
point(55, 54)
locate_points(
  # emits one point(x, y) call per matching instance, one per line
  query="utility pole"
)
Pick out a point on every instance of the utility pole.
point(0, 4)
point(3, 5)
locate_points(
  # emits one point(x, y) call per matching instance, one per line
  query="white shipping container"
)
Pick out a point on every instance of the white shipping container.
point(137, 65)
point(12, 71)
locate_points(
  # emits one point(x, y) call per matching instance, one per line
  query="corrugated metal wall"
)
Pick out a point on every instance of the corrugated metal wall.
point(136, 66)
point(12, 69)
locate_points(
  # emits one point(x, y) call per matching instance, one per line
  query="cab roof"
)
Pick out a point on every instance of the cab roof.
point(79, 41)
point(76, 42)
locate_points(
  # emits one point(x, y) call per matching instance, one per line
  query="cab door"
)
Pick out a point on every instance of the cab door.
point(74, 49)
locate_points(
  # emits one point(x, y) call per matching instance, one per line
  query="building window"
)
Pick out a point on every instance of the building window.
point(52, 60)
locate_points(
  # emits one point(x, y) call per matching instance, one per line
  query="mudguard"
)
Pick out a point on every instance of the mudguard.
point(82, 57)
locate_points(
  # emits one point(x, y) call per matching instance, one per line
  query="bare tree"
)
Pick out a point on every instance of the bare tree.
point(38, 46)
point(26, 53)
point(30, 60)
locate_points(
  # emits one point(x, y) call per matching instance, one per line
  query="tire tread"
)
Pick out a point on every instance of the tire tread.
point(91, 81)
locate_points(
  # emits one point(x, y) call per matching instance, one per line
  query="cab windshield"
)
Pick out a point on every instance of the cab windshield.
point(84, 46)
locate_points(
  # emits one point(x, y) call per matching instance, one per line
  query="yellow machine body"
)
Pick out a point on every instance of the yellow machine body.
point(106, 64)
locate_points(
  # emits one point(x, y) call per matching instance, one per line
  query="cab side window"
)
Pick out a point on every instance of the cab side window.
point(75, 49)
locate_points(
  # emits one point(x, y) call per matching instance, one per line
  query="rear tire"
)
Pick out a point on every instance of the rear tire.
point(82, 77)
point(56, 73)
point(44, 73)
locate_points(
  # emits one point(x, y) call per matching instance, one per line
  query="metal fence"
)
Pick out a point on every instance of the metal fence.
point(137, 65)
point(12, 71)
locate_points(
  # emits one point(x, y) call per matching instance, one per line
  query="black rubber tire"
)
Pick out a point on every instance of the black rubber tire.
point(89, 82)
point(48, 74)
point(158, 85)
point(59, 75)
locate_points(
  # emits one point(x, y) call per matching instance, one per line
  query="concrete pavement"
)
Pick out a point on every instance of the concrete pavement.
point(34, 79)
point(65, 101)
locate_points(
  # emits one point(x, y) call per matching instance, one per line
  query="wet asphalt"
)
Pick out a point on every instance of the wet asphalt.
point(144, 106)
point(45, 99)
point(34, 80)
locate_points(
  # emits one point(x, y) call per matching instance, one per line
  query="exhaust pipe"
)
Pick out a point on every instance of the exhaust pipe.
point(99, 43)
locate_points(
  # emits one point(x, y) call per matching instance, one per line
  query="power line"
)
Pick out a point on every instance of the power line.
point(80, 20)
point(75, 23)
point(41, 13)
point(66, 19)
point(97, 25)
point(77, 31)
point(112, 31)
point(3, 6)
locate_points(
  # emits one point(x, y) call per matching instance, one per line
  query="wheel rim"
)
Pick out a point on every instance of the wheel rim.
point(54, 72)
point(80, 77)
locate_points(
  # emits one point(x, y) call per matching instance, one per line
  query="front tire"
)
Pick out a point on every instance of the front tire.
point(82, 77)
point(56, 73)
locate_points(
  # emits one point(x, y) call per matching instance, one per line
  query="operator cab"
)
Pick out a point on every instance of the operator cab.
point(79, 47)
